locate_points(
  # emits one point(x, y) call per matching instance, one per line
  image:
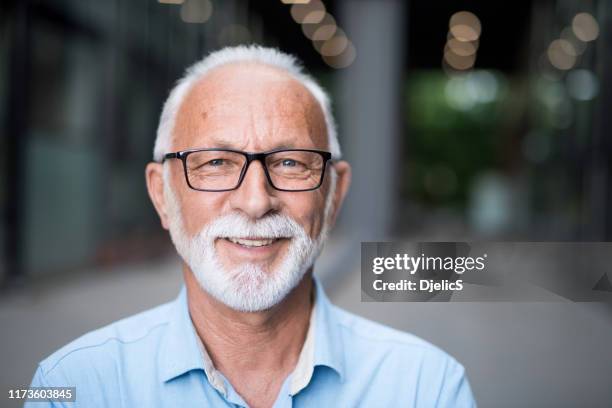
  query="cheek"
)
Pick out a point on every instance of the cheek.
point(200, 208)
point(308, 212)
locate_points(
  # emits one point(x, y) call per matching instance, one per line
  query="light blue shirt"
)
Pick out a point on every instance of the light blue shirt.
point(154, 359)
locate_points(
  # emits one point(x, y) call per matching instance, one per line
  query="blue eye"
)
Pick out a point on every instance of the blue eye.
point(289, 163)
point(216, 162)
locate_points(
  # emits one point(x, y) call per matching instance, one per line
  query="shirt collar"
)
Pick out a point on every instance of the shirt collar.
point(323, 344)
point(214, 377)
point(180, 351)
point(305, 365)
point(328, 350)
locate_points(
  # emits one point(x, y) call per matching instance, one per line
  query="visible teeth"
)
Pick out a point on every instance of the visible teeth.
point(251, 242)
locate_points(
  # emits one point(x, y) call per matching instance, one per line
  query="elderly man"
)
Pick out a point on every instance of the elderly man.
point(248, 180)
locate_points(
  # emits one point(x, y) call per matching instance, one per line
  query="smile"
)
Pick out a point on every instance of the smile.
point(252, 242)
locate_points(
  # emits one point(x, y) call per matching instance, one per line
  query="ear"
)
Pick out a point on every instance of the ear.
point(343, 181)
point(155, 186)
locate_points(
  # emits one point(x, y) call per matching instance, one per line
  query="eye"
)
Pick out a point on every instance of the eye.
point(216, 162)
point(289, 163)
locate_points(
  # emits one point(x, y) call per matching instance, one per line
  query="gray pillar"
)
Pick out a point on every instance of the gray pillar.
point(598, 180)
point(370, 115)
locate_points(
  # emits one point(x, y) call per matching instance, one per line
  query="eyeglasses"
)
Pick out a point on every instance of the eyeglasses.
point(224, 169)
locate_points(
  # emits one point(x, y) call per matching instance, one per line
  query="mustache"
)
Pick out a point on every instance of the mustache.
point(236, 225)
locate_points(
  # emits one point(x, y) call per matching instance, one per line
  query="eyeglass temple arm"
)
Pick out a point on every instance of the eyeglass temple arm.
point(169, 156)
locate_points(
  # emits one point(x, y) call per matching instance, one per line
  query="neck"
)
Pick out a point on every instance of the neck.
point(267, 341)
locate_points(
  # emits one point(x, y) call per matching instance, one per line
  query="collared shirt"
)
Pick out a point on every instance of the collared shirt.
point(301, 374)
point(153, 359)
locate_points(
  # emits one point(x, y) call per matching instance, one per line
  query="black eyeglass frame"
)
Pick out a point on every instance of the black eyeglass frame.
point(250, 157)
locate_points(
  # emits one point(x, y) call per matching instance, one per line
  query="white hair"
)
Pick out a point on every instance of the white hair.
point(240, 54)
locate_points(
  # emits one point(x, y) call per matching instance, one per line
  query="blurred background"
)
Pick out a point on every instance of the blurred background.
point(463, 120)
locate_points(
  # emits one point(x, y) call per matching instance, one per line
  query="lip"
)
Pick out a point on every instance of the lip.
point(251, 253)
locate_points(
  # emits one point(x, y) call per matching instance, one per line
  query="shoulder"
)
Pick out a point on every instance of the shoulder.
point(391, 359)
point(370, 331)
point(378, 339)
point(106, 345)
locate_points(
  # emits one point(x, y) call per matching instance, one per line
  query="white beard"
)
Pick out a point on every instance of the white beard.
point(248, 287)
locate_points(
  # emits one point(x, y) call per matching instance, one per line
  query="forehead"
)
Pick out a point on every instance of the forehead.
point(249, 106)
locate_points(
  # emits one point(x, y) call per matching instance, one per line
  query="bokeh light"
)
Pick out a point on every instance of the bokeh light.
point(459, 62)
point(464, 92)
point(196, 11)
point(309, 13)
point(343, 60)
point(582, 84)
point(321, 31)
point(321, 28)
point(559, 56)
point(465, 26)
point(461, 48)
point(585, 27)
point(335, 45)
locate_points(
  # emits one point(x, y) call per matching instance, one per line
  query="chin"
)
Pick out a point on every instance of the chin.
point(249, 287)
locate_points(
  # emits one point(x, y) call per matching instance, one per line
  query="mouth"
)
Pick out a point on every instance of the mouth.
point(251, 249)
point(252, 242)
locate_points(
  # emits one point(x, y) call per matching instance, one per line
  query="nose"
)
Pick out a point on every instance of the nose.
point(255, 196)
